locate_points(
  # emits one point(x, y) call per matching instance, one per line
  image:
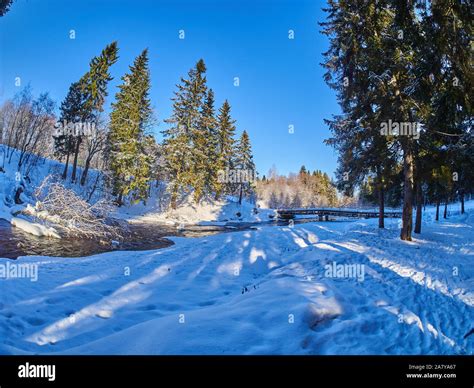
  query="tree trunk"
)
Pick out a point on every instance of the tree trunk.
point(85, 172)
point(381, 206)
point(462, 202)
point(174, 198)
point(120, 199)
point(66, 166)
point(419, 201)
point(76, 155)
point(445, 215)
point(437, 210)
point(18, 192)
point(407, 215)
point(240, 195)
point(11, 156)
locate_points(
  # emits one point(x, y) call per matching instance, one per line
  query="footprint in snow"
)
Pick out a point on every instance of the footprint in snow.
point(34, 321)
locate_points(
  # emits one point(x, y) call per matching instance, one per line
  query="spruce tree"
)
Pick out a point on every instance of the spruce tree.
point(130, 118)
point(185, 138)
point(245, 166)
point(93, 87)
point(225, 147)
point(70, 113)
point(211, 142)
point(355, 30)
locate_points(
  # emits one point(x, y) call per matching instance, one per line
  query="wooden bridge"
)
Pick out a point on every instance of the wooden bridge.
point(325, 213)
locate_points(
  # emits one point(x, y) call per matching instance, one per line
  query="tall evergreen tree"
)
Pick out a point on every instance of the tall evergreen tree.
point(210, 142)
point(183, 159)
point(131, 115)
point(225, 147)
point(71, 111)
point(405, 61)
point(244, 166)
point(355, 30)
point(88, 95)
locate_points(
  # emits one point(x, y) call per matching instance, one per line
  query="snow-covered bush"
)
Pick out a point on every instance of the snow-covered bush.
point(75, 215)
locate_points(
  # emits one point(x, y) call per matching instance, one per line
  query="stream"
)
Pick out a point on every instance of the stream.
point(142, 236)
point(14, 242)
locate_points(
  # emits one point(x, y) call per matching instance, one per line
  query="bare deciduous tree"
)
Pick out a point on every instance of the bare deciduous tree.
point(27, 126)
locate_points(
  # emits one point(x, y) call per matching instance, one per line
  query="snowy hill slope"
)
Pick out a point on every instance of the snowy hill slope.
point(155, 210)
point(264, 291)
point(209, 211)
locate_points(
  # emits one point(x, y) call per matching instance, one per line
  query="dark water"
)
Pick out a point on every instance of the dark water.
point(14, 242)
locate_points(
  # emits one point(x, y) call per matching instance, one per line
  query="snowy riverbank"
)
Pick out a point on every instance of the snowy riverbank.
point(265, 291)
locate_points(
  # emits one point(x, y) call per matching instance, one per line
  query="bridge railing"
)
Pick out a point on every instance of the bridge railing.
point(321, 212)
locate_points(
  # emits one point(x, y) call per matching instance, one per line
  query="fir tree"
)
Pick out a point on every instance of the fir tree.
point(93, 90)
point(71, 111)
point(245, 166)
point(183, 159)
point(211, 142)
point(225, 147)
point(131, 115)
point(355, 52)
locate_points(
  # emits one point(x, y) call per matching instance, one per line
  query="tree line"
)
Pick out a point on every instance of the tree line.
point(402, 73)
point(304, 189)
point(200, 154)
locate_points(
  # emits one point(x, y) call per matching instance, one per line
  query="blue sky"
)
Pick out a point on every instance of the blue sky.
point(281, 80)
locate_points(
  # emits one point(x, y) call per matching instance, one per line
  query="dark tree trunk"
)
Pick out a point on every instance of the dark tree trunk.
point(437, 210)
point(240, 195)
point(120, 199)
point(18, 192)
point(174, 198)
point(76, 155)
point(419, 201)
point(66, 166)
point(445, 215)
point(381, 206)
point(85, 172)
point(407, 215)
point(462, 202)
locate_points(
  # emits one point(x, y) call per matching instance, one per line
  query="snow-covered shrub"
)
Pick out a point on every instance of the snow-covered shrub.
point(75, 215)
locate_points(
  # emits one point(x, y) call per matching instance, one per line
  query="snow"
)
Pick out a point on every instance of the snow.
point(259, 291)
point(10, 180)
point(208, 212)
point(266, 290)
point(34, 228)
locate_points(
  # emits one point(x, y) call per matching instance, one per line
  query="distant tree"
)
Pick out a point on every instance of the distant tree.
point(273, 202)
point(296, 202)
point(272, 172)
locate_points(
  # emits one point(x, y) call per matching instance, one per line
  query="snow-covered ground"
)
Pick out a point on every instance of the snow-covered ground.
point(209, 211)
point(264, 291)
